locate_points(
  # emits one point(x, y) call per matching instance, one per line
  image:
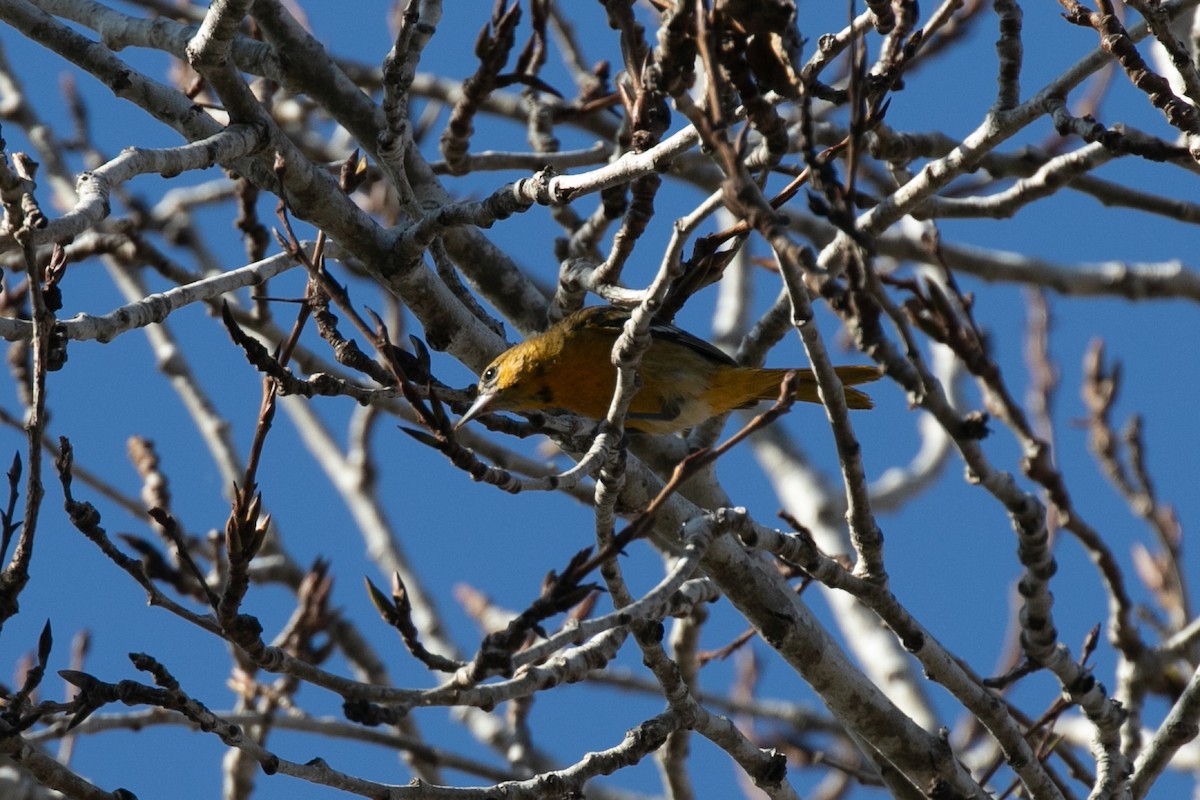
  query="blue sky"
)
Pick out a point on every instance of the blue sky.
point(951, 555)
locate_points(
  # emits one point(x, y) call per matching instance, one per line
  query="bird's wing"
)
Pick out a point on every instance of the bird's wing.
point(613, 319)
point(661, 330)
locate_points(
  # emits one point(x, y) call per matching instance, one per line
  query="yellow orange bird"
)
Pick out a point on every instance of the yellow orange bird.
point(685, 380)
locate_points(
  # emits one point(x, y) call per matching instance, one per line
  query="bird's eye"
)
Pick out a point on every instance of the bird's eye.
point(489, 374)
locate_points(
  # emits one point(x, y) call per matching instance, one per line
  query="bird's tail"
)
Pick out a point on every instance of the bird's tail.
point(806, 384)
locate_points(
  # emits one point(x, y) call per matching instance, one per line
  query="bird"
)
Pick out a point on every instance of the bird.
point(685, 380)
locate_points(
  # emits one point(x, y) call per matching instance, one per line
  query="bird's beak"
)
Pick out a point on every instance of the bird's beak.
point(481, 406)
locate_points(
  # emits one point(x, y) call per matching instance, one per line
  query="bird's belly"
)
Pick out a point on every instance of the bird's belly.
point(656, 408)
point(658, 415)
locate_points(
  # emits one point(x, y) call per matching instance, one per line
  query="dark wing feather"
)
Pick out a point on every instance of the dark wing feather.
point(669, 333)
point(613, 319)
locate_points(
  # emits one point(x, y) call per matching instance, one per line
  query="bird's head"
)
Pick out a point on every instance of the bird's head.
point(501, 387)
